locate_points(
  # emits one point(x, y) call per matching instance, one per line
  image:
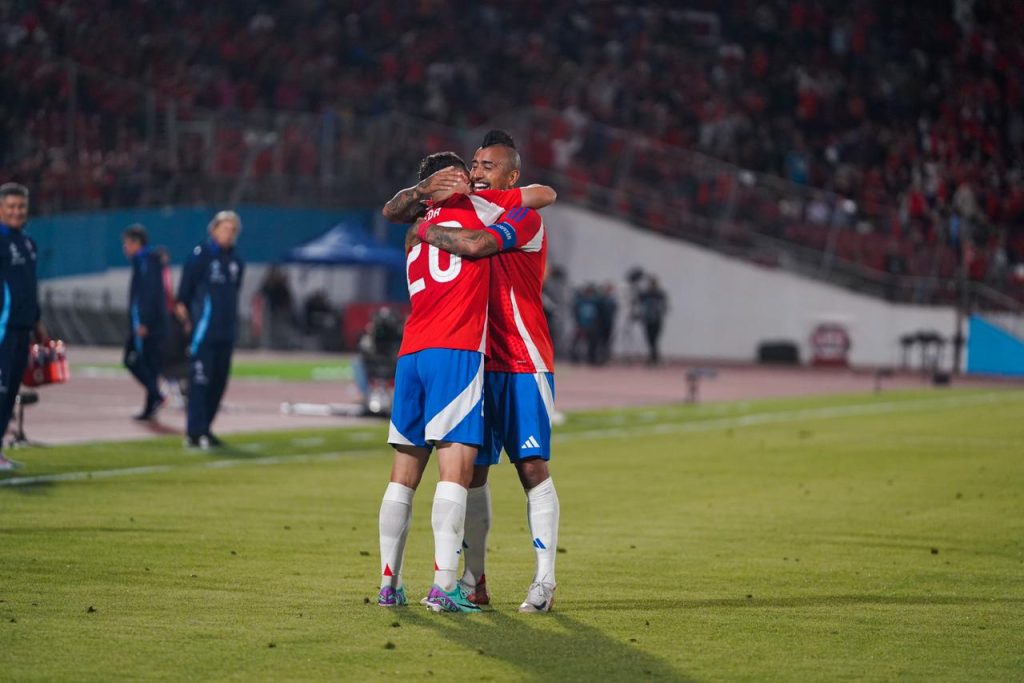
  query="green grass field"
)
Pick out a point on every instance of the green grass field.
point(289, 370)
point(861, 537)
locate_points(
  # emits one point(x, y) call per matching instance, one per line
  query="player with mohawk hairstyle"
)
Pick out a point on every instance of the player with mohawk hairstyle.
point(439, 379)
point(519, 387)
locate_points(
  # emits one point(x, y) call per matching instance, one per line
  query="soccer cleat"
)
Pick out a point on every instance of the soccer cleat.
point(213, 441)
point(440, 600)
point(540, 598)
point(477, 594)
point(6, 464)
point(392, 597)
point(197, 443)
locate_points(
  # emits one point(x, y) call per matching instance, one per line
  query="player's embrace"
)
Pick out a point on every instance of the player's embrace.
point(439, 379)
point(519, 382)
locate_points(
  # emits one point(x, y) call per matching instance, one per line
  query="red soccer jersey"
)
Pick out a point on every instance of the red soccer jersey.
point(448, 294)
point(518, 339)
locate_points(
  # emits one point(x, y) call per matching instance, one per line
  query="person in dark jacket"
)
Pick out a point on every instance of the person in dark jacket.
point(208, 308)
point(147, 315)
point(19, 301)
point(652, 305)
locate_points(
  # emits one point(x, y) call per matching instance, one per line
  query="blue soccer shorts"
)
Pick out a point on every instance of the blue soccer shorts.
point(438, 397)
point(517, 416)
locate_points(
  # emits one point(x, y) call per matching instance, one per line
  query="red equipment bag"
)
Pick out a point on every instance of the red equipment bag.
point(47, 364)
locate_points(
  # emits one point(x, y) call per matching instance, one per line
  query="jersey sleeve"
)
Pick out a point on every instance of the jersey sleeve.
point(516, 228)
point(506, 199)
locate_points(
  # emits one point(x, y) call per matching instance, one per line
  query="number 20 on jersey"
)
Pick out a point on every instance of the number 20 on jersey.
point(437, 274)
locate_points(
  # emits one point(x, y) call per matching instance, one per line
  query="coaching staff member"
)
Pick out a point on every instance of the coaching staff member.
point(19, 301)
point(208, 308)
point(147, 315)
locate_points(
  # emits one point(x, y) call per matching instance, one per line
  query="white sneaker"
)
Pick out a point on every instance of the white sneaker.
point(6, 464)
point(540, 598)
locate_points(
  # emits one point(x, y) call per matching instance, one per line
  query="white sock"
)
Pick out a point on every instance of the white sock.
point(478, 524)
point(395, 515)
point(448, 518)
point(542, 510)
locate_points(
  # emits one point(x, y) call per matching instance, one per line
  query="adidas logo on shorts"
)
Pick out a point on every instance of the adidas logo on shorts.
point(531, 443)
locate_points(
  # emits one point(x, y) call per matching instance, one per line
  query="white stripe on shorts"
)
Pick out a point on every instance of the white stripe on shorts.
point(456, 411)
point(546, 394)
point(396, 437)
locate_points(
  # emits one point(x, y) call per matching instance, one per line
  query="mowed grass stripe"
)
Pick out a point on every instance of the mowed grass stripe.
point(648, 429)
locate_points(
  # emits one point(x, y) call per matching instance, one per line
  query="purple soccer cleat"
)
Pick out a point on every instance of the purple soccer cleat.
point(390, 597)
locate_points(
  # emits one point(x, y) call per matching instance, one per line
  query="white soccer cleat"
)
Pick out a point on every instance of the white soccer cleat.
point(7, 465)
point(540, 598)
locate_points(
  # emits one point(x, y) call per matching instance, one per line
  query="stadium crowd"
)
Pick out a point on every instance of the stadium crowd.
point(911, 110)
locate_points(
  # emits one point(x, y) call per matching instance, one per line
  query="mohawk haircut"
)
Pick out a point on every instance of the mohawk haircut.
point(495, 138)
point(498, 137)
point(435, 162)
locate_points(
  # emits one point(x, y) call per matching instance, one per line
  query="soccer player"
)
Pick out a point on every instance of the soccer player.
point(439, 377)
point(147, 315)
point(19, 302)
point(519, 381)
point(208, 307)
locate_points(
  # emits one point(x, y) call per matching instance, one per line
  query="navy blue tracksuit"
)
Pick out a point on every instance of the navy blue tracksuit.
point(19, 313)
point(210, 283)
point(146, 306)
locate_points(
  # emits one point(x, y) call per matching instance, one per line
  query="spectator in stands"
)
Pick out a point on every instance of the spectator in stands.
point(905, 110)
point(208, 308)
point(652, 305)
point(147, 317)
point(19, 298)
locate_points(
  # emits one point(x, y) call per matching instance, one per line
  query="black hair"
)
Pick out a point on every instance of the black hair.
point(136, 233)
point(13, 190)
point(501, 138)
point(498, 137)
point(435, 162)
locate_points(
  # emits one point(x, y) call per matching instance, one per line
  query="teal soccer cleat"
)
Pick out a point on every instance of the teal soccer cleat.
point(440, 600)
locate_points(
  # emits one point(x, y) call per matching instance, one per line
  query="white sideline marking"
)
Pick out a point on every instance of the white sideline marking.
point(778, 417)
point(154, 469)
point(783, 416)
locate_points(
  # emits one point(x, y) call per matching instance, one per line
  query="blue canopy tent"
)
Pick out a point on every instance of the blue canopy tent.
point(349, 246)
point(346, 244)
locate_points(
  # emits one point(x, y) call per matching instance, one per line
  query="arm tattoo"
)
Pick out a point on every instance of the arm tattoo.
point(462, 242)
point(405, 206)
point(410, 236)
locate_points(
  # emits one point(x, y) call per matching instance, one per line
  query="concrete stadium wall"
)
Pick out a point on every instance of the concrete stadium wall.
point(90, 243)
point(721, 308)
point(80, 253)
